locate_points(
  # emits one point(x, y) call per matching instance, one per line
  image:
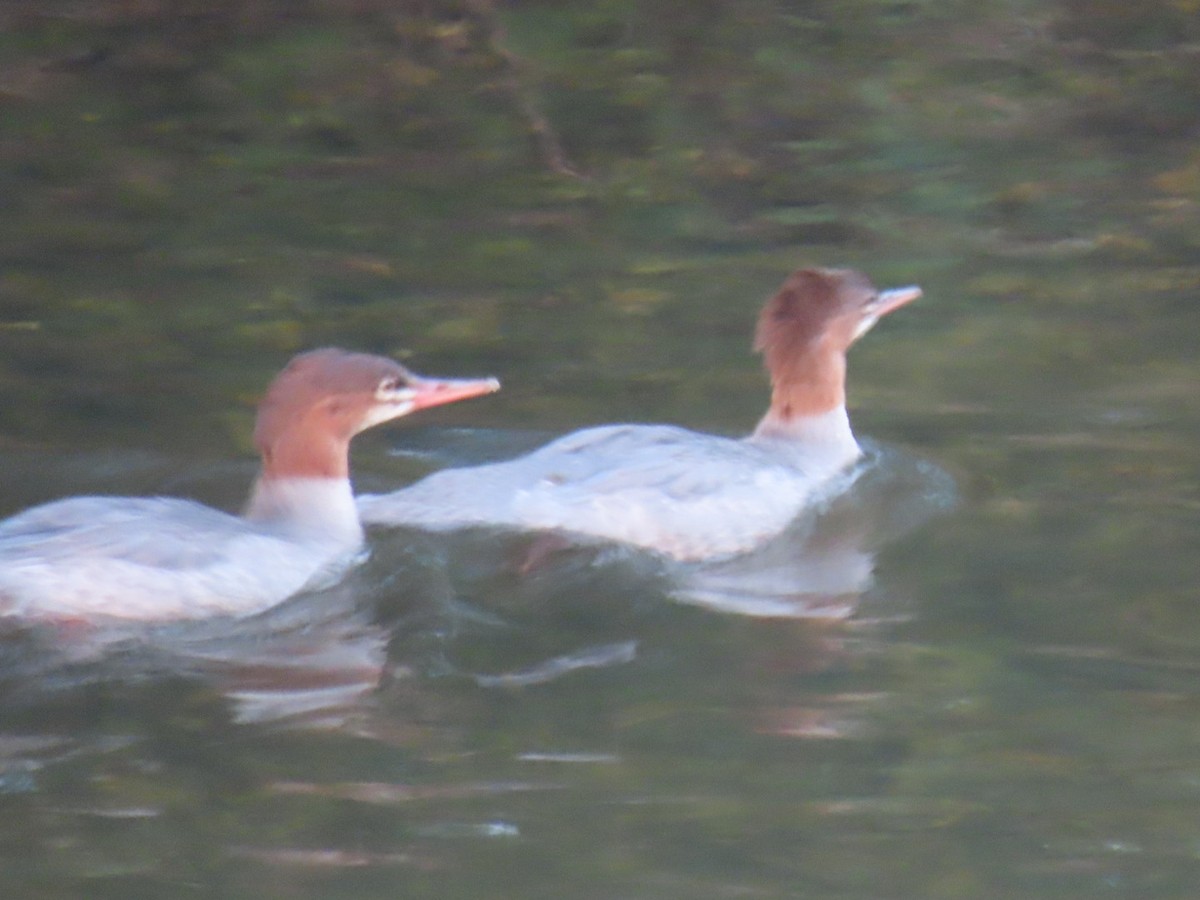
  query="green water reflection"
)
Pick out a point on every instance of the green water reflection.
point(590, 201)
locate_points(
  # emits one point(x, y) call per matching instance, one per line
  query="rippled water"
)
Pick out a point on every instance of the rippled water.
point(1003, 700)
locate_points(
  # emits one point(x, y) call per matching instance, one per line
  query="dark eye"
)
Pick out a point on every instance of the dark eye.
point(391, 384)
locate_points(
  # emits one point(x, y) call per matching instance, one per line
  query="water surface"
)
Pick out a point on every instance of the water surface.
point(1009, 708)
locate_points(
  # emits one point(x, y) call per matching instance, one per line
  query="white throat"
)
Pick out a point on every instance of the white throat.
point(307, 508)
point(823, 439)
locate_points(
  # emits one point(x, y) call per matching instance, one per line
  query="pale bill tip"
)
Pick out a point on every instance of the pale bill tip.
point(896, 297)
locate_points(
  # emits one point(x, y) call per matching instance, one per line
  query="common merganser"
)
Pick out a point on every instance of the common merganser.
point(686, 495)
point(164, 558)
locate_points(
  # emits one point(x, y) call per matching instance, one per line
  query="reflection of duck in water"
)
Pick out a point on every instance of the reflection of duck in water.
point(470, 607)
point(313, 662)
point(823, 563)
point(158, 558)
point(688, 496)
